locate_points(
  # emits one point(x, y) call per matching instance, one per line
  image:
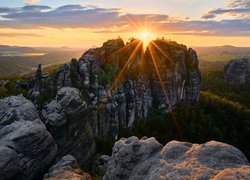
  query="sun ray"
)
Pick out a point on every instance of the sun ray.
point(123, 48)
point(132, 22)
point(170, 43)
point(158, 73)
point(126, 64)
point(141, 61)
point(155, 45)
point(164, 89)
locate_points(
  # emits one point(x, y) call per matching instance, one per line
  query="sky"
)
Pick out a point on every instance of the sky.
point(87, 23)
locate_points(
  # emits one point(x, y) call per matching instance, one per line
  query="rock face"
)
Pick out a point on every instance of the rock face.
point(66, 118)
point(26, 147)
point(237, 72)
point(178, 77)
point(147, 159)
point(38, 85)
point(66, 168)
point(94, 100)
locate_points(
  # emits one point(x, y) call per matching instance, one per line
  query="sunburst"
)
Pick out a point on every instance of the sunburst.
point(144, 37)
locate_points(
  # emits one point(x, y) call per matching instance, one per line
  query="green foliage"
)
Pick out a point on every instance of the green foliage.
point(213, 82)
point(46, 96)
point(213, 118)
point(214, 57)
point(11, 90)
point(107, 73)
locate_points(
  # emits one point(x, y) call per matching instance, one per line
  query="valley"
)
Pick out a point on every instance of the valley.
point(20, 60)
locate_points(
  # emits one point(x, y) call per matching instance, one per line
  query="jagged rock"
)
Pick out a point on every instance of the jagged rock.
point(120, 98)
point(66, 168)
point(74, 74)
point(133, 96)
point(87, 66)
point(39, 73)
point(26, 147)
point(67, 118)
point(147, 159)
point(38, 85)
point(96, 109)
point(63, 76)
point(236, 72)
point(111, 46)
point(192, 89)
point(178, 77)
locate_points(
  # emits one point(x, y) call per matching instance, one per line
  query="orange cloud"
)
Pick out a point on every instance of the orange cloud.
point(31, 1)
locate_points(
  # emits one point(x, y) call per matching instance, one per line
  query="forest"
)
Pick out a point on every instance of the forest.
point(222, 114)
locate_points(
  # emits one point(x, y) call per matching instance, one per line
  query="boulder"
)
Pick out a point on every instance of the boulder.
point(67, 118)
point(26, 147)
point(147, 159)
point(66, 168)
point(237, 72)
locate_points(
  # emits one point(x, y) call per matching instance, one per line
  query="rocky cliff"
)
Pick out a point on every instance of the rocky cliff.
point(146, 159)
point(237, 72)
point(27, 149)
point(109, 87)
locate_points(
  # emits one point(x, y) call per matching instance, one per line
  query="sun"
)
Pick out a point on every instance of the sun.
point(145, 37)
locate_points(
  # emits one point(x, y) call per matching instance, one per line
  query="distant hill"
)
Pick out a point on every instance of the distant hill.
point(4, 48)
point(227, 49)
point(215, 57)
point(16, 60)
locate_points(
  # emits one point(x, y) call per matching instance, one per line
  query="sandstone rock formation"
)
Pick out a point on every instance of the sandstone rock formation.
point(66, 168)
point(178, 70)
point(89, 104)
point(237, 72)
point(147, 159)
point(131, 98)
point(66, 118)
point(26, 147)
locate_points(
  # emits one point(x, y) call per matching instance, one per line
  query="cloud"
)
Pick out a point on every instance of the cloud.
point(19, 35)
point(72, 16)
point(237, 27)
point(31, 1)
point(70, 8)
point(145, 17)
point(35, 8)
point(65, 16)
point(238, 3)
point(236, 8)
point(105, 20)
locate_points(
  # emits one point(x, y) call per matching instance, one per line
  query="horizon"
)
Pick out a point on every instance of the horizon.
point(41, 23)
point(78, 47)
